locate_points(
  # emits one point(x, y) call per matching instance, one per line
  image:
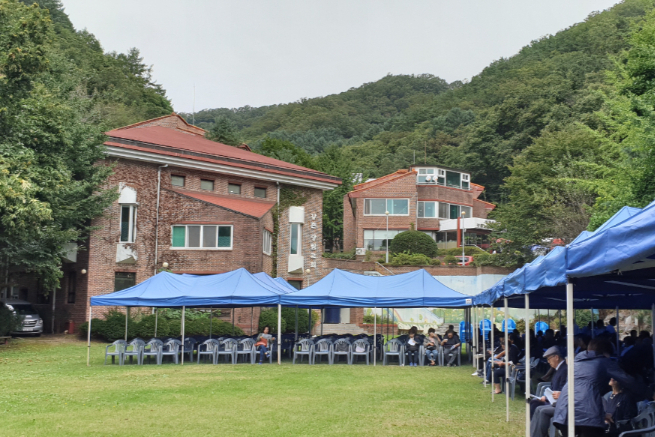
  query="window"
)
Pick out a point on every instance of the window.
point(296, 239)
point(260, 192)
point(428, 209)
point(457, 210)
point(234, 188)
point(447, 240)
point(444, 211)
point(202, 237)
point(378, 239)
point(177, 181)
point(72, 286)
point(128, 223)
point(206, 184)
point(453, 179)
point(381, 206)
point(296, 284)
point(466, 179)
point(123, 280)
point(431, 176)
point(268, 242)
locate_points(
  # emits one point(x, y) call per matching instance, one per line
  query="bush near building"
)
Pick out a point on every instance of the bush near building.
point(414, 242)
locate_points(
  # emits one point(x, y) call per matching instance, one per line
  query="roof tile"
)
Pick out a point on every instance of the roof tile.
point(251, 207)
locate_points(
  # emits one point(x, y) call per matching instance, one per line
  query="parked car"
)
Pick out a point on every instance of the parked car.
point(31, 322)
point(464, 260)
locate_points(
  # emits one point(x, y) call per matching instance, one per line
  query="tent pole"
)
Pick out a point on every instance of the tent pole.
point(233, 321)
point(560, 322)
point(127, 316)
point(507, 364)
point(296, 339)
point(475, 338)
point(310, 322)
point(618, 353)
point(88, 347)
point(592, 324)
point(211, 321)
point(375, 333)
point(322, 319)
point(527, 365)
point(484, 361)
point(571, 357)
point(183, 317)
point(156, 320)
point(279, 334)
point(252, 317)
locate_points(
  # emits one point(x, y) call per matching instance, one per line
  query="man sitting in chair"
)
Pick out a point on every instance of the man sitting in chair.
point(450, 344)
point(541, 411)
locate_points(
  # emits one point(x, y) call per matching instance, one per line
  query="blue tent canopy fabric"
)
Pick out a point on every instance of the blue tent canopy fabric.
point(408, 290)
point(277, 283)
point(232, 289)
point(611, 267)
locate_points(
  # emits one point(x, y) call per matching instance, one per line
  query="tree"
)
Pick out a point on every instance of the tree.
point(50, 188)
point(224, 131)
point(413, 242)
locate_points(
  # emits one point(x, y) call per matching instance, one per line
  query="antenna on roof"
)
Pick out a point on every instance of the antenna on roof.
point(193, 117)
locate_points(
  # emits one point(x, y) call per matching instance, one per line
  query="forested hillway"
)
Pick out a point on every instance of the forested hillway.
point(555, 133)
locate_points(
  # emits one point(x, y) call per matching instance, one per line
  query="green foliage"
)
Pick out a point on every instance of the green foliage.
point(381, 320)
point(224, 131)
point(450, 260)
point(269, 318)
point(340, 255)
point(457, 251)
point(414, 242)
point(407, 259)
point(8, 321)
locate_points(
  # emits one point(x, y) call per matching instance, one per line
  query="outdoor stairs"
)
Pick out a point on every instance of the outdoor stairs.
point(339, 328)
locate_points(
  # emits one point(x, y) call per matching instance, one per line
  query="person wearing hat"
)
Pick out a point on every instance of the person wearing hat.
point(541, 411)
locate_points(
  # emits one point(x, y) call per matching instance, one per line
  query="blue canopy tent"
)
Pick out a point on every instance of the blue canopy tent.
point(349, 290)
point(238, 288)
point(611, 267)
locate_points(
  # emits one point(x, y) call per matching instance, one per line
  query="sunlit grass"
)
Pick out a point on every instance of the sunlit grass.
point(47, 389)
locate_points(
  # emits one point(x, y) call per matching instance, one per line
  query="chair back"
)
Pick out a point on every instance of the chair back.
point(228, 345)
point(173, 345)
point(305, 345)
point(393, 346)
point(119, 345)
point(189, 344)
point(247, 344)
point(341, 346)
point(360, 346)
point(154, 345)
point(137, 344)
point(323, 345)
point(211, 345)
point(645, 419)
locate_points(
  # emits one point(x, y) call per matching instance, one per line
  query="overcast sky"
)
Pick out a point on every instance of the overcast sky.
point(261, 52)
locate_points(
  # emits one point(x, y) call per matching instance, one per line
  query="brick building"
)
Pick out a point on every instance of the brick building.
point(201, 207)
point(431, 197)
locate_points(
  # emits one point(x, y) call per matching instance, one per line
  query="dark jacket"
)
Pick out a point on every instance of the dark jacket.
point(559, 378)
point(590, 379)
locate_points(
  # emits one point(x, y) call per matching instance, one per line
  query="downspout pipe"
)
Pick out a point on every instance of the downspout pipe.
point(157, 218)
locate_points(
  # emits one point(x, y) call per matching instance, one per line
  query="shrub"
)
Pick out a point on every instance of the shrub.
point(146, 327)
point(468, 251)
point(269, 318)
point(414, 242)
point(450, 260)
point(340, 255)
point(8, 320)
point(381, 260)
point(113, 327)
point(406, 259)
point(368, 255)
point(435, 262)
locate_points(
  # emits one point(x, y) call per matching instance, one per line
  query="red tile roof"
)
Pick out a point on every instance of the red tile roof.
point(169, 141)
point(251, 207)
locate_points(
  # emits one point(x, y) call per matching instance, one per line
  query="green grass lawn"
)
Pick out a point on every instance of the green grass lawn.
point(46, 389)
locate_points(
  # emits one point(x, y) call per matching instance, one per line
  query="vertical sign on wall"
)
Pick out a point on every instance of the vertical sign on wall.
point(313, 245)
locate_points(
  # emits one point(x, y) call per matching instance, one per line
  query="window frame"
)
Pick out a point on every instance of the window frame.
point(131, 223)
point(386, 204)
point(298, 239)
point(267, 242)
point(232, 184)
point(213, 182)
point(201, 236)
point(178, 176)
point(387, 239)
point(254, 192)
point(72, 287)
point(116, 274)
point(436, 209)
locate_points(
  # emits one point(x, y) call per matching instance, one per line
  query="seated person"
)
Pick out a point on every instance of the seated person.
point(541, 411)
point(549, 339)
point(500, 371)
point(619, 408)
point(431, 344)
point(450, 344)
point(263, 340)
point(611, 328)
point(412, 348)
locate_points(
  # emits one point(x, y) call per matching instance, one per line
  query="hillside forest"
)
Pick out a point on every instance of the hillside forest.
point(560, 134)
